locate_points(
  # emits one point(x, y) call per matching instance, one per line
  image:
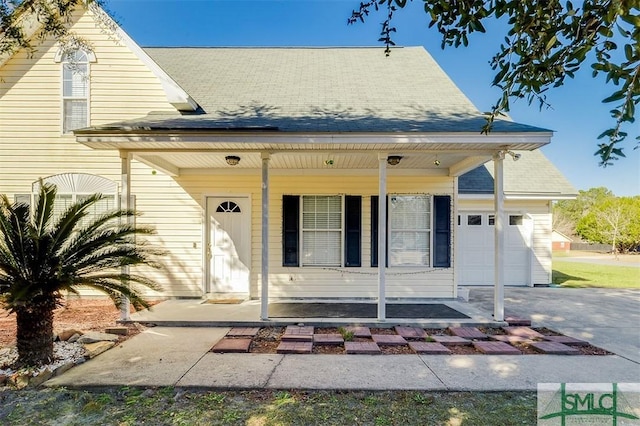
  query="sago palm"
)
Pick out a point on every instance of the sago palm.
point(43, 256)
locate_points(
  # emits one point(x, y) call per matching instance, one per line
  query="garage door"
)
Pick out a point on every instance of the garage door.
point(476, 249)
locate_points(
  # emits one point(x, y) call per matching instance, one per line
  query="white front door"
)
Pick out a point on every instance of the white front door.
point(477, 242)
point(229, 244)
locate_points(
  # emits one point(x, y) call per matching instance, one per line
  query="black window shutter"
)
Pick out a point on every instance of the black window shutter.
point(290, 230)
point(442, 234)
point(353, 230)
point(374, 231)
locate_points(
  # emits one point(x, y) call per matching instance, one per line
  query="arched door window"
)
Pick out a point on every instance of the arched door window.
point(228, 207)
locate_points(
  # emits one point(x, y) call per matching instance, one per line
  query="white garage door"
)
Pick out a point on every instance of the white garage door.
point(476, 249)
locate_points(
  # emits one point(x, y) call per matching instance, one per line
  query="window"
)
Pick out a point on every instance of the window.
point(228, 207)
point(474, 220)
point(76, 187)
point(492, 220)
point(321, 230)
point(515, 220)
point(409, 230)
point(75, 91)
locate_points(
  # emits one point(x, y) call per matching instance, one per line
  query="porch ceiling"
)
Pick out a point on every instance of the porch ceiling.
point(185, 153)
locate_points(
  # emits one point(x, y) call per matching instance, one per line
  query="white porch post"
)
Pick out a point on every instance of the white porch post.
point(125, 203)
point(382, 235)
point(264, 298)
point(498, 295)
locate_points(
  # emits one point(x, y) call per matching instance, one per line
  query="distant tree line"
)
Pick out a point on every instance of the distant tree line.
point(598, 216)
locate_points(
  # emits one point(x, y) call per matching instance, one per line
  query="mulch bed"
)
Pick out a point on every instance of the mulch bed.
point(268, 339)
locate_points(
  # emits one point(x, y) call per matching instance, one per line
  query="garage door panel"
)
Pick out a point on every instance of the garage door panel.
point(476, 253)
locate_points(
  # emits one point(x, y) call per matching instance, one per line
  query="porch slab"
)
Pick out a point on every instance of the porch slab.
point(451, 340)
point(231, 345)
point(195, 313)
point(566, 340)
point(388, 339)
point(496, 348)
point(294, 347)
point(327, 339)
point(554, 348)
point(523, 331)
point(366, 348)
point(429, 348)
point(471, 333)
point(411, 332)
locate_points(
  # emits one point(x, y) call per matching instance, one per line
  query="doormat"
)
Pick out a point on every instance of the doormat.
point(224, 301)
point(363, 310)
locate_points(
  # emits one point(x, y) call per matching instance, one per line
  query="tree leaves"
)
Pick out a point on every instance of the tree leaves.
point(547, 42)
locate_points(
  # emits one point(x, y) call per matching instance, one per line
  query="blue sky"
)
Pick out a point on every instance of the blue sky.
point(577, 117)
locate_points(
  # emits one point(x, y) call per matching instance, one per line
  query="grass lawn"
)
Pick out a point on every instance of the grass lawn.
point(169, 406)
point(573, 274)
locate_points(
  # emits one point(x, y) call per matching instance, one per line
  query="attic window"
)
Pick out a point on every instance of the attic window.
point(75, 90)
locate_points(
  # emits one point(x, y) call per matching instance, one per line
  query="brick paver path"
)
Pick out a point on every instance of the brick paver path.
point(567, 340)
point(451, 340)
point(370, 348)
point(288, 347)
point(522, 331)
point(514, 320)
point(243, 331)
point(388, 339)
point(359, 331)
point(327, 339)
point(431, 348)
point(510, 339)
point(298, 333)
point(496, 348)
point(232, 345)
point(411, 332)
point(468, 333)
point(554, 348)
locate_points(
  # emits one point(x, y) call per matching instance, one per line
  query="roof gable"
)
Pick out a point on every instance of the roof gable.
point(533, 174)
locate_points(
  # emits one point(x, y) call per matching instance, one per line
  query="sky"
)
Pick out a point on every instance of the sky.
point(577, 116)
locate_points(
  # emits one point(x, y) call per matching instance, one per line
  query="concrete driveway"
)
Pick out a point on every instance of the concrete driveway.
point(607, 318)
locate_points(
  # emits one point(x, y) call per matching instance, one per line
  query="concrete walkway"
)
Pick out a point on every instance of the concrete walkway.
point(179, 356)
point(175, 356)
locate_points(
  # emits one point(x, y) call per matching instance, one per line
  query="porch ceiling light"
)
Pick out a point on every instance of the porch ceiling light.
point(232, 160)
point(394, 160)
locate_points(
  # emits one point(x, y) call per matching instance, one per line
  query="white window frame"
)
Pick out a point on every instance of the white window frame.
point(61, 57)
point(428, 256)
point(303, 230)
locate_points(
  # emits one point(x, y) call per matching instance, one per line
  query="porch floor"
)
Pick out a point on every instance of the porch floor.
point(198, 313)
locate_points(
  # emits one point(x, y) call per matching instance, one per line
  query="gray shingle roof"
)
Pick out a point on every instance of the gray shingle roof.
point(533, 174)
point(318, 90)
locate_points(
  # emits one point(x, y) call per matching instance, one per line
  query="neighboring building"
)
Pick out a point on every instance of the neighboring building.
point(560, 242)
point(262, 168)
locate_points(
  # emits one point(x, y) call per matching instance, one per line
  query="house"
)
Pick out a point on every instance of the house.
point(276, 172)
point(560, 242)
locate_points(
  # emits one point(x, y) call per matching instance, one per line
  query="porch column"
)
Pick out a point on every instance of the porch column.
point(382, 235)
point(498, 294)
point(264, 298)
point(125, 203)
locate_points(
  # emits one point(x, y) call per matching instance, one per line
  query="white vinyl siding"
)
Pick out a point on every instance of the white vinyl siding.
point(75, 91)
point(409, 230)
point(321, 230)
